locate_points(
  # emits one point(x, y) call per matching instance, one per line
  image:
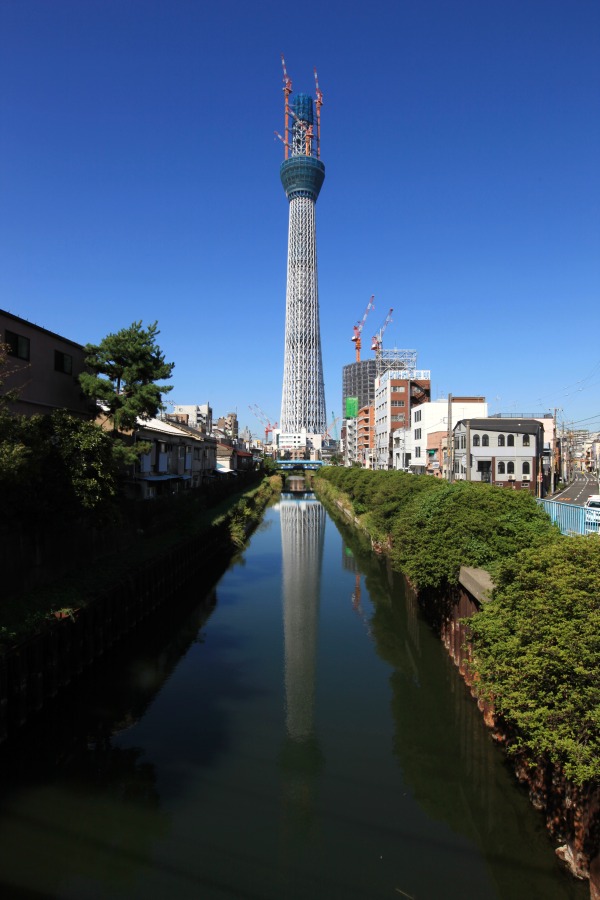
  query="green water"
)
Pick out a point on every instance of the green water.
point(296, 733)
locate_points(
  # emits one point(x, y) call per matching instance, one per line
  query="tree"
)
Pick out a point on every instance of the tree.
point(124, 370)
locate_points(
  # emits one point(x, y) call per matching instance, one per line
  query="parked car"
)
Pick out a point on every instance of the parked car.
point(592, 513)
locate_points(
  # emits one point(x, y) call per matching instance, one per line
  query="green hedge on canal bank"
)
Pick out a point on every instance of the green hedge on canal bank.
point(536, 644)
point(432, 528)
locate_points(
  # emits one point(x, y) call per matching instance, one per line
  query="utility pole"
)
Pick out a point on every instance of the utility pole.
point(449, 454)
point(468, 453)
point(553, 452)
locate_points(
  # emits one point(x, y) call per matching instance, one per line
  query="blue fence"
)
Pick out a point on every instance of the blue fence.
point(572, 519)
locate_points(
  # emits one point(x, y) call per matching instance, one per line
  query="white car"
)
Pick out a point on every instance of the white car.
point(592, 513)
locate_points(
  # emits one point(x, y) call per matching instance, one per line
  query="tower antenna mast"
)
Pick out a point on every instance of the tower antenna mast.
point(287, 90)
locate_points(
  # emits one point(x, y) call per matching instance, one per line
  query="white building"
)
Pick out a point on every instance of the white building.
point(397, 393)
point(195, 416)
point(429, 424)
point(503, 452)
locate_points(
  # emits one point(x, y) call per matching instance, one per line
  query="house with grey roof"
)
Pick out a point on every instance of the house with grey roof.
point(504, 452)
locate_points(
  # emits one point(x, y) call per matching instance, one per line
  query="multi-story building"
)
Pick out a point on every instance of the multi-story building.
point(503, 452)
point(351, 441)
point(358, 381)
point(397, 393)
point(179, 458)
point(365, 438)
point(435, 418)
point(196, 416)
point(43, 368)
point(229, 425)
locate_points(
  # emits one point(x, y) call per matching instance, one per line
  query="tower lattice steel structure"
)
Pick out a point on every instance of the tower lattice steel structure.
point(302, 175)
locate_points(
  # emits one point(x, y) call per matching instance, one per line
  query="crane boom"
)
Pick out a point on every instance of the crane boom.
point(377, 342)
point(356, 337)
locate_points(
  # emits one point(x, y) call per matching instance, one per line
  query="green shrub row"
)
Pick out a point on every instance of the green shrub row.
point(433, 527)
point(536, 644)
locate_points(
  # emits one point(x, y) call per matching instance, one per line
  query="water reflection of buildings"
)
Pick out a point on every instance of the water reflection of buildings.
point(302, 538)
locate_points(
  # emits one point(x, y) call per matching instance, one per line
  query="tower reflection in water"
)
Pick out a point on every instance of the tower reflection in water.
point(302, 537)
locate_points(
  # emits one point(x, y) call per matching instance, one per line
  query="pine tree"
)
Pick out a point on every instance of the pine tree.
point(125, 368)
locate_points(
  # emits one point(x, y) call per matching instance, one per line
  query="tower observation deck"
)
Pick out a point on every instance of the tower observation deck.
point(302, 175)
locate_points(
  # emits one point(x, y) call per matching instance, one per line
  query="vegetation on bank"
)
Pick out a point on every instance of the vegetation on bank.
point(536, 644)
point(180, 518)
point(537, 654)
point(431, 528)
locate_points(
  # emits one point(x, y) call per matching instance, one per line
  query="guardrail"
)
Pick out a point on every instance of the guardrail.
point(572, 519)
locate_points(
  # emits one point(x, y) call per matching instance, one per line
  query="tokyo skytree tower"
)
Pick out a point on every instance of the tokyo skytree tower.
point(302, 174)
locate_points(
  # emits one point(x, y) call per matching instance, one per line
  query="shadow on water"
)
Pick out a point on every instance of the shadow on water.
point(447, 756)
point(223, 756)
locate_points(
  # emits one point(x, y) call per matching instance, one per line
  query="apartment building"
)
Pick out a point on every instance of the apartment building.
point(429, 430)
point(397, 393)
point(42, 367)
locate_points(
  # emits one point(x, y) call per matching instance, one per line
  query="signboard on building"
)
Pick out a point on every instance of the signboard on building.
point(351, 407)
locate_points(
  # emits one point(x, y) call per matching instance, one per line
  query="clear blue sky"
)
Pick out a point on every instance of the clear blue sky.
point(461, 138)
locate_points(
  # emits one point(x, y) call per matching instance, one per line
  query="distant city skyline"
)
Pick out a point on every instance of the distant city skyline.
point(137, 159)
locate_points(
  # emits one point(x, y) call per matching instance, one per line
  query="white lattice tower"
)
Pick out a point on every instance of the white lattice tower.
point(302, 175)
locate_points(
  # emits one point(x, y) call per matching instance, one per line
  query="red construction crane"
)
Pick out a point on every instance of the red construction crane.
point(377, 342)
point(262, 417)
point(356, 339)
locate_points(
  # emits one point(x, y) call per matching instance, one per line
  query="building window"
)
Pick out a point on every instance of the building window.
point(485, 441)
point(476, 440)
point(417, 451)
point(397, 402)
point(17, 345)
point(501, 440)
point(526, 440)
point(417, 434)
point(526, 468)
point(510, 468)
point(63, 362)
point(501, 468)
point(418, 417)
point(510, 440)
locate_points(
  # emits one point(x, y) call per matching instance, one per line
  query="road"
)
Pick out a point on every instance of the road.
point(579, 490)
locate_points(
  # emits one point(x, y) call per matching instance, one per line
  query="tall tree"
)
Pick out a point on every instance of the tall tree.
point(125, 368)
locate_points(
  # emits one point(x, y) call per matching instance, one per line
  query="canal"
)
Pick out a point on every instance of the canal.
point(296, 732)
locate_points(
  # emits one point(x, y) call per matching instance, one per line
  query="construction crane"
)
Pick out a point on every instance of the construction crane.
point(264, 419)
point(287, 90)
point(318, 104)
point(356, 337)
point(331, 426)
point(377, 342)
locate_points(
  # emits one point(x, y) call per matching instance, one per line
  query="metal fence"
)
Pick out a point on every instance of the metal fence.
point(572, 519)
